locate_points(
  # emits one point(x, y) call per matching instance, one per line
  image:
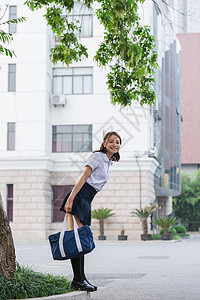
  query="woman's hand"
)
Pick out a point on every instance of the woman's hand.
point(69, 204)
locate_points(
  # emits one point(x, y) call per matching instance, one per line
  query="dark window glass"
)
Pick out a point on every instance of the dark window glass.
point(11, 136)
point(72, 138)
point(10, 202)
point(59, 193)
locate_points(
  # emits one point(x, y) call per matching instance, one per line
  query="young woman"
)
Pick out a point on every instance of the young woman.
point(79, 200)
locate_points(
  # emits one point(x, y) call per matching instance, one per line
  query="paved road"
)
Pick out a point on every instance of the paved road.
point(130, 270)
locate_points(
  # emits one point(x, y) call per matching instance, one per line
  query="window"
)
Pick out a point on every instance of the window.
point(73, 81)
point(11, 77)
point(11, 136)
point(84, 15)
point(12, 15)
point(58, 192)
point(10, 202)
point(72, 138)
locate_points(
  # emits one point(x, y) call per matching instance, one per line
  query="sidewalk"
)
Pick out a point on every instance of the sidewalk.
point(130, 270)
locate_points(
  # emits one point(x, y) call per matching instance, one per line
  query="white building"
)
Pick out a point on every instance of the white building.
point(45, 139)
point(187, 18)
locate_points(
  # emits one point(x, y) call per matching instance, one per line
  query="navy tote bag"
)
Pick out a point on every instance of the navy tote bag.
point(71, 243)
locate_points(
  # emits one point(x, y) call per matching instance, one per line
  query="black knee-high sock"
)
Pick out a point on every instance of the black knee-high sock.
point(82, 267)
point(76, 266)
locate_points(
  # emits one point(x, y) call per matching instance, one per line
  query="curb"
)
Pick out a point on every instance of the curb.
point(79, 295)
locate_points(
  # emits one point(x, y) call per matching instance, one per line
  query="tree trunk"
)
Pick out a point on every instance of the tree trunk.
point(101, 223)
point(7, 249)
point(166, 231)
point(145, 226)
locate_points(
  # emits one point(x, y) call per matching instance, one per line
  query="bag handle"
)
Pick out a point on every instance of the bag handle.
point(76, 235)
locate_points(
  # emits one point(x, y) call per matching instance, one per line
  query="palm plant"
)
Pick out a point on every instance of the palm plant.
point(165, 223)
point(143, 214)
point(101, 214)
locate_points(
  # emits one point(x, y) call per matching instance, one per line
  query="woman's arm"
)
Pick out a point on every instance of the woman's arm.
point(77, 187)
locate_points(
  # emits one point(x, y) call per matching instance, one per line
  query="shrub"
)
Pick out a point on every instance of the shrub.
point(169, 230)
point(184, 234)
point(180, 228)
point(156, 236)
point(27, 283)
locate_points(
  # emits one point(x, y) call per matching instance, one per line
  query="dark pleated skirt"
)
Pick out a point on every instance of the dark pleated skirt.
point(82, 203)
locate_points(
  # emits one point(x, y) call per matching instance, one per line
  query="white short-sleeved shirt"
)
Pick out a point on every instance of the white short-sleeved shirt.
point(100, 165)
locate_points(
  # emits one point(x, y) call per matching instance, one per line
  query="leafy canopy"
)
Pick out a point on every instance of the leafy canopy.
point(145, 212)
point(165, 222)
point(102, 213)
point(127, 49)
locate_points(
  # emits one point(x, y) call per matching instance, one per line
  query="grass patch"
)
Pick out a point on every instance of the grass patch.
point(27, 283)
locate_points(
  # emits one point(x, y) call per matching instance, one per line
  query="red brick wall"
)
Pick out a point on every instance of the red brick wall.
point(190, 97)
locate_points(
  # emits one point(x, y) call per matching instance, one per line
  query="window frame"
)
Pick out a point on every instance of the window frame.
point(73, 132)
point(9, 202)
point(79, 16)
point(12, 27)
point(10, 132)
point(11, 81)
point(73, 77)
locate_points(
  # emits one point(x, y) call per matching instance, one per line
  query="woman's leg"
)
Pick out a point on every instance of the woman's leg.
point(78, 279)
point(83, 272)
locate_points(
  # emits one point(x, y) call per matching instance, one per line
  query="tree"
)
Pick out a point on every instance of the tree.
point(7, 37)
point(165, 222)
point(101, 214)
point(187, 205)
point(144, 214)
point(7, 249)
point(128, 49)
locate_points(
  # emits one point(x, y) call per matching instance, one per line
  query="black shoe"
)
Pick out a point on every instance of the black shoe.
point(95, 287)
point(83, 286)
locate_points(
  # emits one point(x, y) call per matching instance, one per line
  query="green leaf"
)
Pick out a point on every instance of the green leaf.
point(127, 49)
point(101, 213)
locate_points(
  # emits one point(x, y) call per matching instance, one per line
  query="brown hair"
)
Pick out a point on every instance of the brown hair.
point(116, 156)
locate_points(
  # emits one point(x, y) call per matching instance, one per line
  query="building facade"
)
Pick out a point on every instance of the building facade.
point(52, 118)
point(190, 106)
point(188, 35)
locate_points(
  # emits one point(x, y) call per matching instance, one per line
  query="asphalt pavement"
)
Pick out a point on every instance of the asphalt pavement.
point(128, 270)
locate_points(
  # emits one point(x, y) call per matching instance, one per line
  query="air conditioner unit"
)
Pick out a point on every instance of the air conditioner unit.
point(152, 152)
point(58, 100)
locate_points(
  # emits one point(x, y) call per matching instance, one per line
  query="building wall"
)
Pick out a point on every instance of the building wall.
point(33, 195)
point(30, 205)
point(190, 90)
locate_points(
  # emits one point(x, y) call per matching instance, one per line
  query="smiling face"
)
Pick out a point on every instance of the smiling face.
point(112, 145)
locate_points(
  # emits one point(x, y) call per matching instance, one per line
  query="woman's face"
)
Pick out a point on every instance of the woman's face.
point(112, 144)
